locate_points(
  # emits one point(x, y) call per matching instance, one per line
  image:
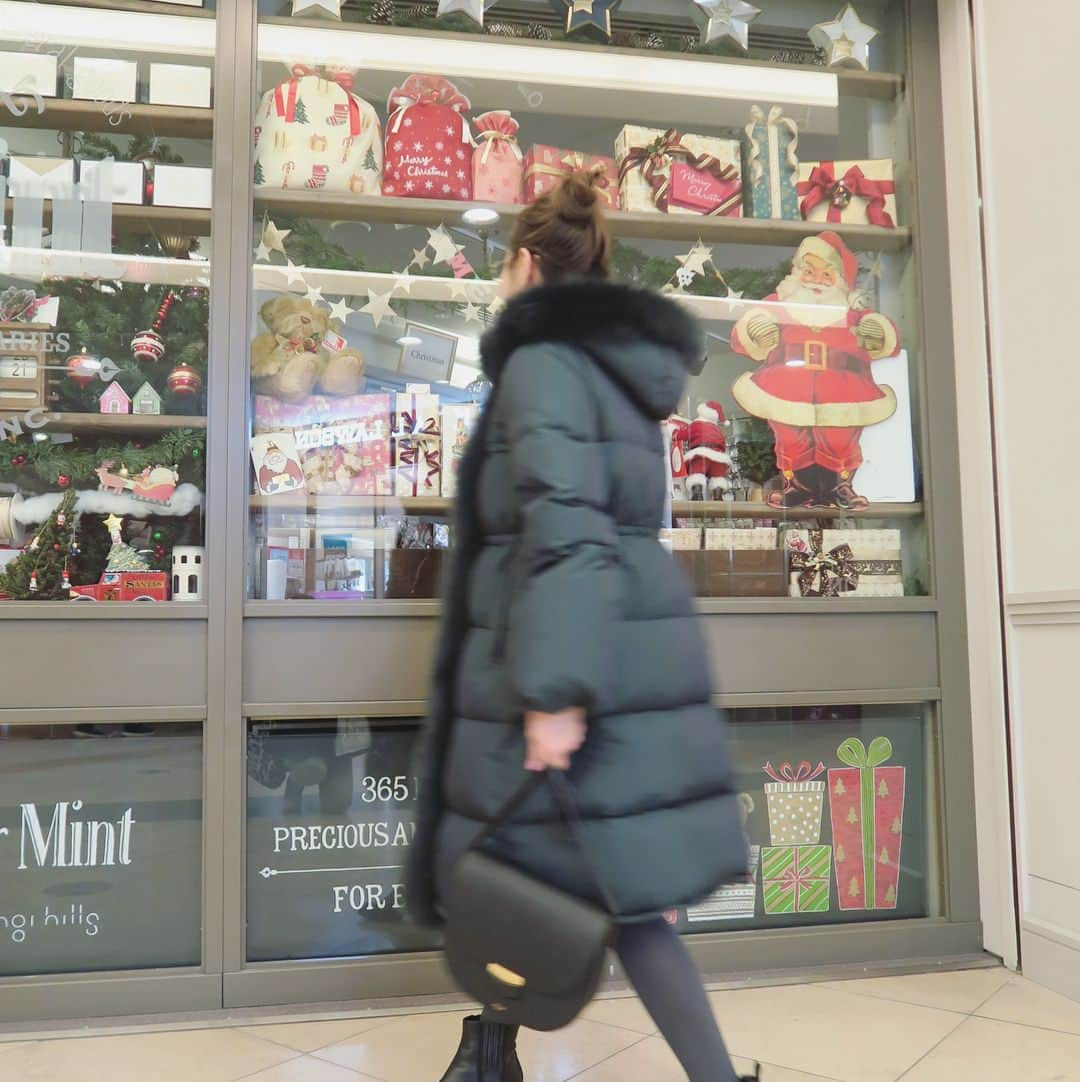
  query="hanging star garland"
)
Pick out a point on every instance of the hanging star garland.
point(262, 253)
point(326, 9)
point(314, 295)
point(475, 9)
point(340, 310)
point(420, 258)
point(292, 272)
point(695, 260)
point(273, 239)
point(846, 40)
point(589, 17)
point(471, 312)
point(378, 306)
point(443, 245)
point(403, 282)
point(727, 20)
point(698, 261)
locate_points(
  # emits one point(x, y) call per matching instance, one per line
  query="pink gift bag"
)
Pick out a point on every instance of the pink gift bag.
point(498, 164)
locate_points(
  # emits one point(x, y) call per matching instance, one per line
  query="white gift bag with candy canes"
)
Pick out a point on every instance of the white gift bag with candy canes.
point(313, 133)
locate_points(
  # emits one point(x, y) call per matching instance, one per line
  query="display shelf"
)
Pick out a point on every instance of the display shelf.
point(310, 503)
point(154, 7)
point(39, 263)
point(738, 509)
point(92, 423)
point(133, 218)
point(66, 114)
point(342, 207)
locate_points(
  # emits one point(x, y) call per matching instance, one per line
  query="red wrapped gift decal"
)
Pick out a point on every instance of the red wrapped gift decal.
point(866, 802)
point(429, 146)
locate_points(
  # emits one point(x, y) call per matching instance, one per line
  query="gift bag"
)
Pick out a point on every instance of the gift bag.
point(429, 146)
point(312, 132)
point(498, 166)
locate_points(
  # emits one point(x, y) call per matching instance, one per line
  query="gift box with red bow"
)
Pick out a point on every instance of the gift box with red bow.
point(795, 878)
point(312, 132)
point(858, 192)
point(429, 144)
point(673, 172)
point(417, 444)
point(498, 164)
point(546, 165)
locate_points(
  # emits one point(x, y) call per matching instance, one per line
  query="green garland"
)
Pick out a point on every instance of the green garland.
point(38, 466)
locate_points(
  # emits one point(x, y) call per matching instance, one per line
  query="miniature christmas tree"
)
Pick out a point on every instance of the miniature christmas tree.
point(122, 557)
point(260, 173)
point(301, 113)
point(40, 573)
point(370, 161)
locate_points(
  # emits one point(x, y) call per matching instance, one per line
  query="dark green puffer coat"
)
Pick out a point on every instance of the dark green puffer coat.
point(561, 595)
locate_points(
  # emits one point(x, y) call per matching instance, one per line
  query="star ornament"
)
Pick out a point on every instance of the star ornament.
point(694, 260)
point(475, 9)
point(420, 258)
point(443, 245)
point(846, 40)
point(727, 20)
point(378, 306)
point(589, 17)
point(340, 310)
point(323, 9)
point(273, 239)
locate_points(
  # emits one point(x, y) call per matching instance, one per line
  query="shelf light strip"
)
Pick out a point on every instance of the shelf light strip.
point(517, 63)
point(130, 31)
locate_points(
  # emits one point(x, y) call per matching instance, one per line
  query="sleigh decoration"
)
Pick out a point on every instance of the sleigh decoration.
point(156, 484)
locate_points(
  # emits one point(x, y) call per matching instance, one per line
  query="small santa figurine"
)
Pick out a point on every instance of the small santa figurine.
point(707, 461)
point(815, 346)
point(676, 431)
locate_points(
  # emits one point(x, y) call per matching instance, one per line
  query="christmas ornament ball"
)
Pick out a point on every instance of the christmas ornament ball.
point(184, 380)
point(18, 460)
point(148, 346)
point(63, 480)
point(82, 368)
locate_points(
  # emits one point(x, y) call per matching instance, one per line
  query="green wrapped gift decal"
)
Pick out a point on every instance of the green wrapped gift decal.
point(796, 878)
point(866, 802)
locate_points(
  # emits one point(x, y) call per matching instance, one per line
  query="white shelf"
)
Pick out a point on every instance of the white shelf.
point(36, 263)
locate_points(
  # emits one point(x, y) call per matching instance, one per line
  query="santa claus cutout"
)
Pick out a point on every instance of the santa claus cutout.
point(814, 385)
point(707, 462)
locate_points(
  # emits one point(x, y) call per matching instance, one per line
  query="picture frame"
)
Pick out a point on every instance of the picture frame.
point(432, 358)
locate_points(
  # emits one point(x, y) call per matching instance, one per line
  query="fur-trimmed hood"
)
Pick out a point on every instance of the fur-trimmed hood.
point(647, 343)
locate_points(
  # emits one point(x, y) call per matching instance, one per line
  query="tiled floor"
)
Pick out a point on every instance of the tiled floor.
point(975, 1026)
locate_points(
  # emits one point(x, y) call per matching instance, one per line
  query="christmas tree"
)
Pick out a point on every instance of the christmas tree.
point(40, 573)
point(301, 113)
point(260, 173)
point(122, 557)
point(370, 162)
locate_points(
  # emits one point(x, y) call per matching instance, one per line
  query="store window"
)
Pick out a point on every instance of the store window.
point(774, 200)
point(101, 847)
point(106, 125)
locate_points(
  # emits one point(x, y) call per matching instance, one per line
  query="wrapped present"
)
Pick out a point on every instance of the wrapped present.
point(771, 165)
point(796, 798)
point(859, 192)
point(498, 164)
point(312, 132)
point(416, 412)
point(417, 450)
point(458, 421)
point(795, 878)
point(734, 572)
point(852, 563)
point(866, 804)
point(429, 145)
point(744, 539)
point(678, 173)
point(343, 442)
point(682, 538)
point(545, 165)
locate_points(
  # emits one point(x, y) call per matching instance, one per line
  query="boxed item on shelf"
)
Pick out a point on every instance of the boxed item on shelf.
point(545, 165)
point(740, 573)
point(414, 573)
point(679, 173)
point(180, 84)
point(312, 132)
point(682, 538)
point(417, 450)
point(101, 79)
point(852, 563)
point(183, 186)
point(28, 73)
point(771, 165)
point(40, 177)
point(343, 443)
point(856, 192)
point(498, 164)
point(113, 182)
point(429, 144)
point(741, 539)
point(458, 421)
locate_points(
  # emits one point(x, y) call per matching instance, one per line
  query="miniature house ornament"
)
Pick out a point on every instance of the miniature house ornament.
point(188, 569)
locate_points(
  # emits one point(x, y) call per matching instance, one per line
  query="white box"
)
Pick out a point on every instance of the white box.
point(28, 73)
point(180, 84)
point(98, 79)
point(45, 178)
point(183, 186)
point(126, 182)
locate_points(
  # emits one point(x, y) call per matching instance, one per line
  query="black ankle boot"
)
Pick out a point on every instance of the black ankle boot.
point(755, 1077)
point(488, 1053)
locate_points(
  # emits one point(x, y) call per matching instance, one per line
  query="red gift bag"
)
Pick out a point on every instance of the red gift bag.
point(498, 166)
point(429, 146)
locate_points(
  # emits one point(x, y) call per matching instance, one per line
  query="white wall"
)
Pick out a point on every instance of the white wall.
point(1030, 164)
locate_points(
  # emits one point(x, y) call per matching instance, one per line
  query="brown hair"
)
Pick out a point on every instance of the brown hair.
point(566, 230)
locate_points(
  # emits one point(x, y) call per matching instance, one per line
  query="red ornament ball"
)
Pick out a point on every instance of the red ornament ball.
point(148, 346)
point(64, 481)
point(18, 460)
point(57, 547)
point(83, 369)
point(159, 552)
point(184, 380)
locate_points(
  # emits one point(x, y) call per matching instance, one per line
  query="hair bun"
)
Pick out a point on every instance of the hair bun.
point(576, 197)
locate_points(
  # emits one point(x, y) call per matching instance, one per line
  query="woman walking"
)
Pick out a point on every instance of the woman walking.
point(569, 640)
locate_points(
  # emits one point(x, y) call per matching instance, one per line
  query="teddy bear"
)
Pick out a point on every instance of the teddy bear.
point(292, 359)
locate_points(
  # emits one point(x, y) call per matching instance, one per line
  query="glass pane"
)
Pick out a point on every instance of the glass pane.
point(773, 199)
point(106, 126)
point(841, 815)
point(101, 844)
point(330, 817)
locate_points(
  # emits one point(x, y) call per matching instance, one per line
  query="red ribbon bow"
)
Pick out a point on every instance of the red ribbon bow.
point(823, 186)
point(803, 772)
point(656, 159)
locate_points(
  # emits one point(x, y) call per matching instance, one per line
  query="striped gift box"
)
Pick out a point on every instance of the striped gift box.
point(796, 878)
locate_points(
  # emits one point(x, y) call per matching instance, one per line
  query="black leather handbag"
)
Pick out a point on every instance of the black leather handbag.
point(532, 954)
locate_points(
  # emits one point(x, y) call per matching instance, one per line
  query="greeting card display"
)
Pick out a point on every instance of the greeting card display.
point(429, 145)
